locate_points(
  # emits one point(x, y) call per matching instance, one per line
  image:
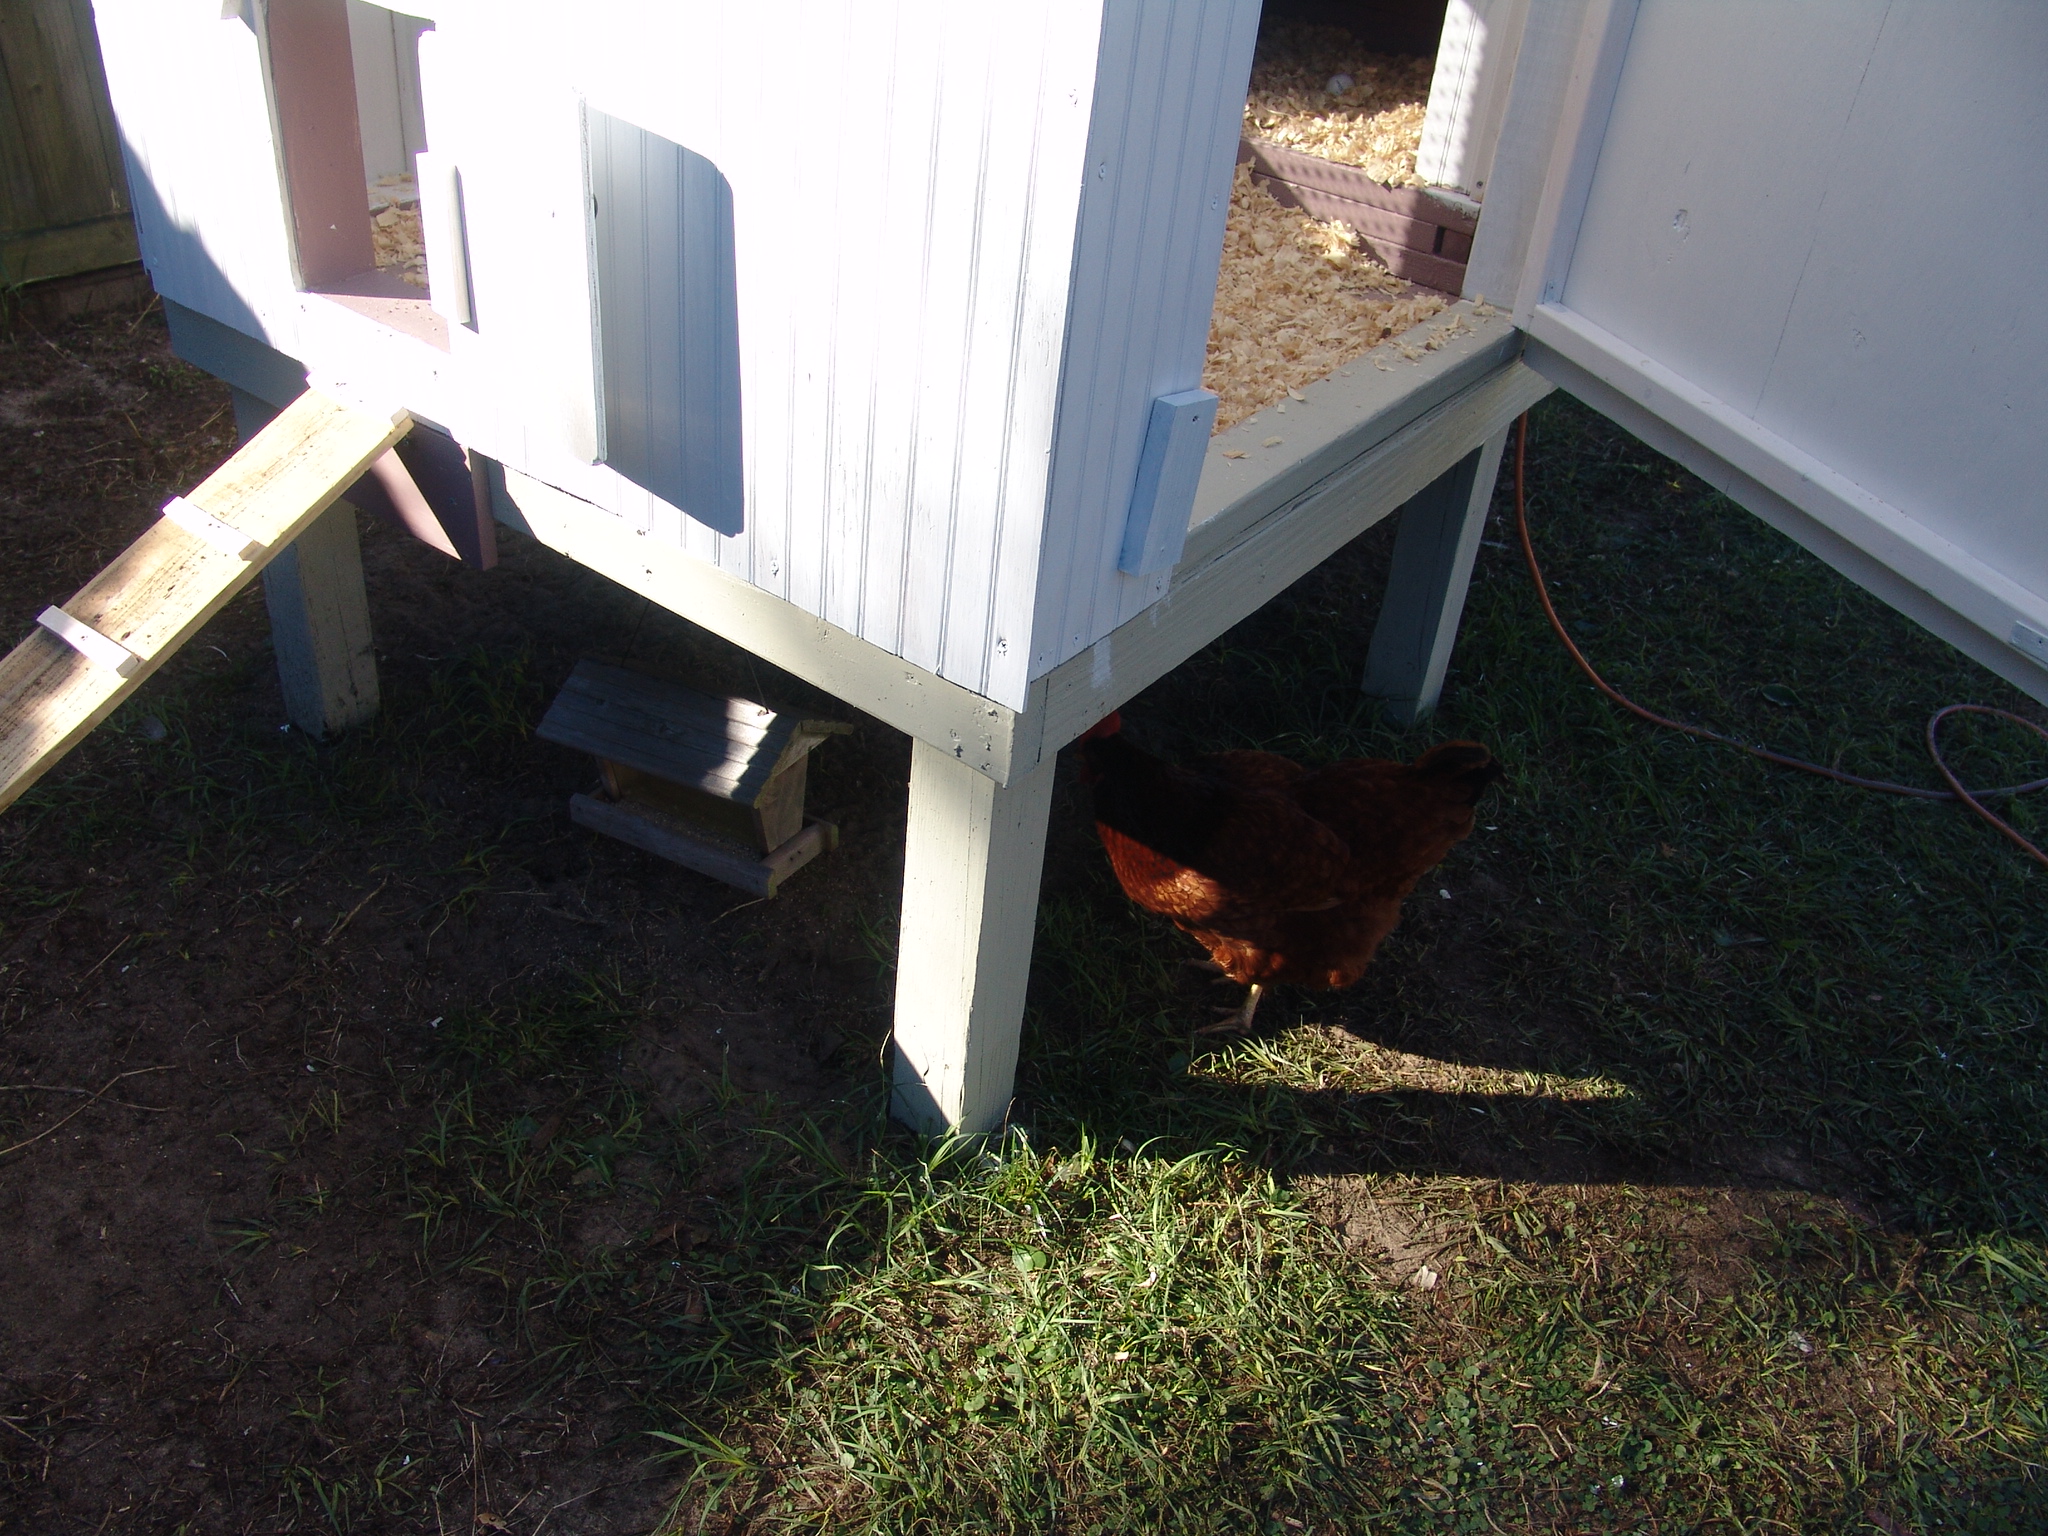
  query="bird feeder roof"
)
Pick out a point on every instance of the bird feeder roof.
point(728, 747)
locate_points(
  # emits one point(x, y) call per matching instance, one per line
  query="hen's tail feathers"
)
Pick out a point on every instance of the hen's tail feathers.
point(1463, 766)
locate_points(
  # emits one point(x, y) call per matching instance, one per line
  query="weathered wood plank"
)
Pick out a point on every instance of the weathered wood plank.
point(702, 756)
point(726, 747)
point(63, 196)
point(87, 247)
point(159, 591)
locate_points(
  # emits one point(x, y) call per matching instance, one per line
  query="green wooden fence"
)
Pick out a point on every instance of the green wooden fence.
point(63, 193)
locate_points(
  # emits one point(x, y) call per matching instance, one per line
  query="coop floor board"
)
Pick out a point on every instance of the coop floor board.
point(163, 587)
point(1276, 454)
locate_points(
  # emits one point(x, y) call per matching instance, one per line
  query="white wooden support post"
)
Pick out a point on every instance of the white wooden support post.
point(1434, 546)
point(971, 862)
point(319, 611)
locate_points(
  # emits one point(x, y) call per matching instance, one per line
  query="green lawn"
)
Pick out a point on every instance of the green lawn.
point(1719, 1121)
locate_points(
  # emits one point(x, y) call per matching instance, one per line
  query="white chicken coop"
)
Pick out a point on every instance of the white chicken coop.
point(899, 387)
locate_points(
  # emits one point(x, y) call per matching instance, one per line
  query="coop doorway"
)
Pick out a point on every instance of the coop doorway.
point(346, 106)
point(668, 321)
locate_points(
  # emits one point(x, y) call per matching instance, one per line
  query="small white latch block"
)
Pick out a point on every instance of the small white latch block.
point(2030, 642)
point(89, 642)
point(203, 525)
point(1169, 471)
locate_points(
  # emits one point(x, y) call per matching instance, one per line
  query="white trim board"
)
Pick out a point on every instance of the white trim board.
point(1344, 414)
point(1268, 554)
point(1229, 579)
point(1366, 439)
point(1514, 194)
point(1881, 548)
point(1468, 94)
point(976, 730)
point(1727, 259)
point(1360, 448)
point(1588, 97)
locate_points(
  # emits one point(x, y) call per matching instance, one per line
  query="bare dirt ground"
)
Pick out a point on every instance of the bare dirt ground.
point(256, 985)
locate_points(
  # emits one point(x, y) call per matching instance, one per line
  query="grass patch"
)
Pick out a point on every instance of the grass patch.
point(209, 796)
point(1682, 1171)
point(1135, 1343)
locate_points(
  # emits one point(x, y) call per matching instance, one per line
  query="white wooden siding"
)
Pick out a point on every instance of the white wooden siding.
point(1468, 95)
point(385, 46)
point(1829, 244)
point(902, 275)
point(202, 167)
point(1169, 95)
point(907, 246)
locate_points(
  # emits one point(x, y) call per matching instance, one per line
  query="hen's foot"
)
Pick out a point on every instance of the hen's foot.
point(1204, 965)
point(1239, 1020)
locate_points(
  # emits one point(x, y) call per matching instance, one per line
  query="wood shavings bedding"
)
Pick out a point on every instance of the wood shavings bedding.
point(1296, 300)
point(395, 229)
point(395, 235)
point(1375, 124)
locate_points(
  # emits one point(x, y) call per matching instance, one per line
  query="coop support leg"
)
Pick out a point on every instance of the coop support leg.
point(1434, 546)
point(971, 862)
point(319, 612)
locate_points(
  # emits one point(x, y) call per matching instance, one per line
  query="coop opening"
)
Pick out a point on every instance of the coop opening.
point(1386, 114)
point(1367, 141)
point(668, 320)
point(345, 86)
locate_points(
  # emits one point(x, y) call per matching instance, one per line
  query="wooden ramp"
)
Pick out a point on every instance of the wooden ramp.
point(90, 653)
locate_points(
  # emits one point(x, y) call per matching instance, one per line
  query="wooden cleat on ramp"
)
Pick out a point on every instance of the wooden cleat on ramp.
point(99, 646)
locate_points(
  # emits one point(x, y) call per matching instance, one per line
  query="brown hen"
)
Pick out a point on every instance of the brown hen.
point(1281, 872)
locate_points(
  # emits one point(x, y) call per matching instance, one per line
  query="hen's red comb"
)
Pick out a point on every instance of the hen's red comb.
point(1108, 725)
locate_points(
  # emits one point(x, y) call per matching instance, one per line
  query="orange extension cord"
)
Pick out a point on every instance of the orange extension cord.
point(1972, 798)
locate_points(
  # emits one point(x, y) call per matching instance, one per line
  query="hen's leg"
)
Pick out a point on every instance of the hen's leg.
point(1240, 1020)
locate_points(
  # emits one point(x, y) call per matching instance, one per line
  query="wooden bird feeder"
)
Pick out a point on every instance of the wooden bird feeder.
point(713, 783)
